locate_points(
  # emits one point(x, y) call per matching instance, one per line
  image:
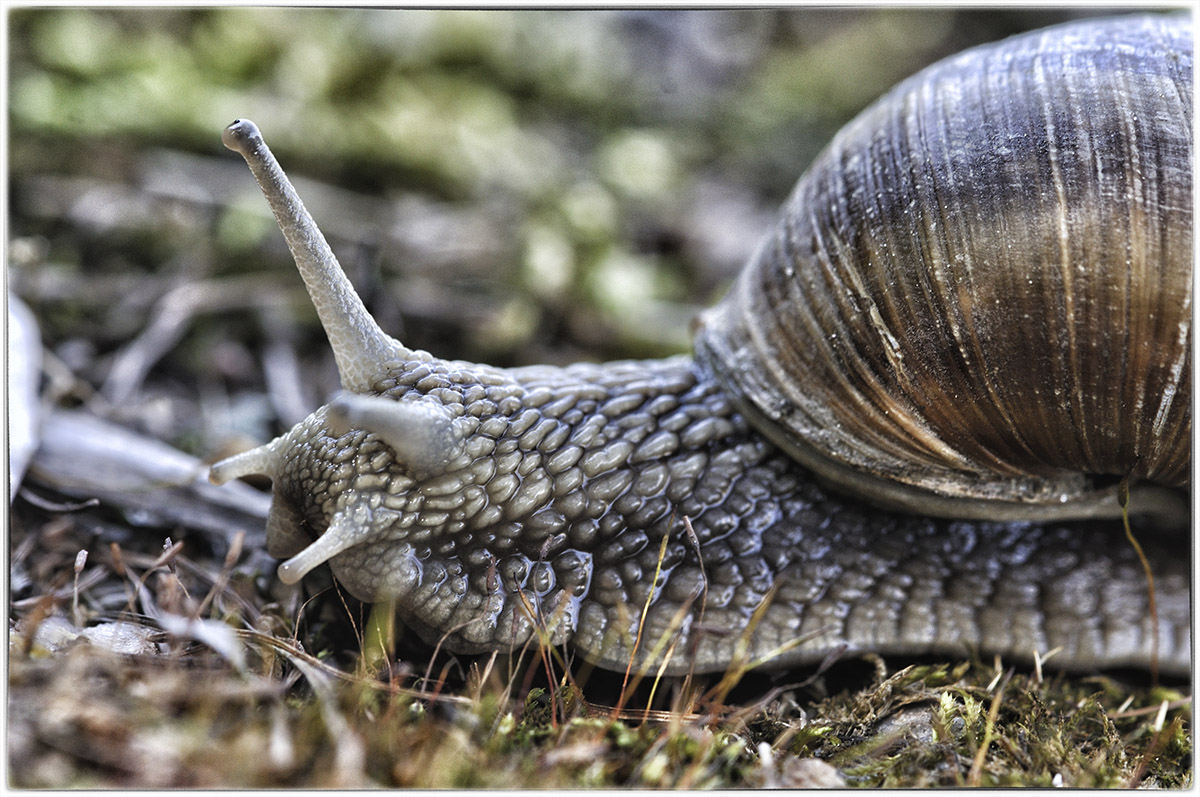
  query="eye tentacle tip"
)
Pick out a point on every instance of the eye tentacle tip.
point(239, 135)
point(291, 571)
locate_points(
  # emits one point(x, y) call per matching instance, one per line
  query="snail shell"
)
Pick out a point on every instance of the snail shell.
point(976, 305)
point(978, 299)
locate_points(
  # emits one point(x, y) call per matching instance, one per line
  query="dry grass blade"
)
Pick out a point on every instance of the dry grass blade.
point(696, 549)
point(441, 641)
point(1039, 660)
point(80, 562)
point(1151, 597)
point(637, 641)
point(57, 506)
point(975, 776)
point(1161, 737)
point(740, 663)
point(61, 593)
point(215, 634)
point(1141, 712)
point(231, 557)
point(663, 649)
point(350, 755)
point(293, 652)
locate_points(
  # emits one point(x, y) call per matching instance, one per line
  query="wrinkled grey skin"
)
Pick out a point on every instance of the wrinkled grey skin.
point(498, 502)
point(576, 474)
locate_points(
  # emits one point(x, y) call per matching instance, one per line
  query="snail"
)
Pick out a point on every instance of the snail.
point(903, 429)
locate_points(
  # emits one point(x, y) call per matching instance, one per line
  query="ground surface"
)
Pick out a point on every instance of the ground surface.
point(510, 188)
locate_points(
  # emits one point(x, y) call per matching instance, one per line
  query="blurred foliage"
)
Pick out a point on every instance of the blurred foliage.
point(503, 186)
point(624, 162)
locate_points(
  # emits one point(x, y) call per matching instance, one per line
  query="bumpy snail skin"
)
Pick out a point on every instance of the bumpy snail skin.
point(493, 502)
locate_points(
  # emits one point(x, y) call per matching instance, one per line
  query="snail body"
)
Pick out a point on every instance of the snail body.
point(974, 314)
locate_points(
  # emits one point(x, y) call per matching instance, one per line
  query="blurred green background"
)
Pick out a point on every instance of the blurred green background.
point(507, 186)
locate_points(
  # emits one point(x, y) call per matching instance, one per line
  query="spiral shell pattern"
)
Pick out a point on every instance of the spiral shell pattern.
point(982, 288)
